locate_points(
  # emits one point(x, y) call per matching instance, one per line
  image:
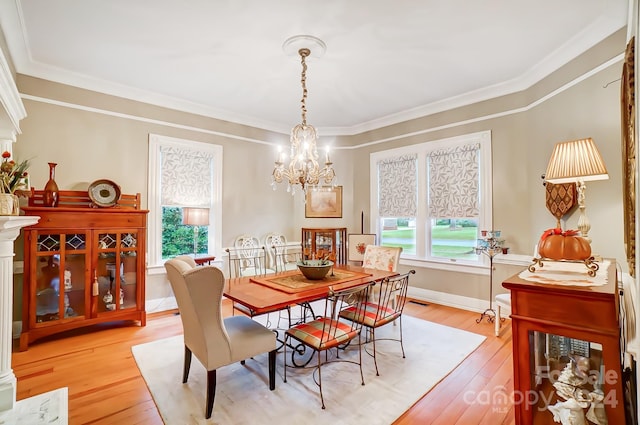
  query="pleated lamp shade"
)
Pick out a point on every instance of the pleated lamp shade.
point(576, 160)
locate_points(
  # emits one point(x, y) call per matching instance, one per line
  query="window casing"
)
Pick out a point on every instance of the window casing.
point(433, 198)
point(176, 164)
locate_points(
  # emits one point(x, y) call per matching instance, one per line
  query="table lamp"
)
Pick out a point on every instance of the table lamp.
point(577, 161)
point(195, 217)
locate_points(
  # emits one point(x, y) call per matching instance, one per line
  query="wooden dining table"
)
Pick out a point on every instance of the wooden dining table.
point(276, 291)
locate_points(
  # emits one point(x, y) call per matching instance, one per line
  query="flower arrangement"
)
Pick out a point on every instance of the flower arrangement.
point(12, 174)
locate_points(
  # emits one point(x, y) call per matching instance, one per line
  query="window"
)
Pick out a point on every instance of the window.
point(182, 174)
point(433, 198)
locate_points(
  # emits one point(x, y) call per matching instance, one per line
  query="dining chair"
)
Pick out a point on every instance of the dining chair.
point(385, 306)
point(382, 257)
point(329, 331)
point(247, 257)
point(216, 342)
point(284, 255)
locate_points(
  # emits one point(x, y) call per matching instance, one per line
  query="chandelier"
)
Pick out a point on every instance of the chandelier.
point(303, 170)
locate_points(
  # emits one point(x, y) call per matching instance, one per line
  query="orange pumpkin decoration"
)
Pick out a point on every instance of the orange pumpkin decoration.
point(563, 245)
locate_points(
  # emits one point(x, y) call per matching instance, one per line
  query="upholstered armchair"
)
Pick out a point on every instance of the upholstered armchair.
point(216, 342)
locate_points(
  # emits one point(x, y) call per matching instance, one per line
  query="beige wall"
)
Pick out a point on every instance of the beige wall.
point(90, 144)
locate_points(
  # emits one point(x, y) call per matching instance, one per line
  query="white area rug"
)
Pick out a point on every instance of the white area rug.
point(50, 408)
point(243, 396)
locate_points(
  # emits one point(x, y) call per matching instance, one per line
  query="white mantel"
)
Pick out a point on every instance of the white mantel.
point(9, 230)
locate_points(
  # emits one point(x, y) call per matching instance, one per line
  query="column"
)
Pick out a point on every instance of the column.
point(9, 230)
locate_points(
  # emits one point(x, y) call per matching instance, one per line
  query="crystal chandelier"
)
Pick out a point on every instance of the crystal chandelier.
point(303, 169)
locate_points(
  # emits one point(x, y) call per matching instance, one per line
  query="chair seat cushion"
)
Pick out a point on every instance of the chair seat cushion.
point(322, 334)
point(372, 311)
point(248, 337)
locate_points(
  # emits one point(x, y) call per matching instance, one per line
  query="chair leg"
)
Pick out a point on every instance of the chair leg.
point(211, 391)
point(497, 321)
point(284, 357)
point(401, 344)
point(272, 370)
point(187, 364)
point(360, 357)
point(373, 340)
point(320, 379)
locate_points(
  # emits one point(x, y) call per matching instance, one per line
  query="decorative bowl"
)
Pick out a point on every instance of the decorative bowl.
point(315, 269)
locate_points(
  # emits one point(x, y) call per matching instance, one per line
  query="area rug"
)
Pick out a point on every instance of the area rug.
point(243, 397)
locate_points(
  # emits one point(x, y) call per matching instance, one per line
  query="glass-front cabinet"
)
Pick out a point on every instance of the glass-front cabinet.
point(566, 349)
point(82, 266)
point(322, 242)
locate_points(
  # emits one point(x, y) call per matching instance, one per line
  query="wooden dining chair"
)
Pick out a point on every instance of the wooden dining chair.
point(216, 342)
point(385, 306)
point(329, 330)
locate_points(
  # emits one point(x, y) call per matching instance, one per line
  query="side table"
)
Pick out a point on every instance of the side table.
point(204, 260)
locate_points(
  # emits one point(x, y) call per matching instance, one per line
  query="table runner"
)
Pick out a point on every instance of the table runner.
point(293, 281)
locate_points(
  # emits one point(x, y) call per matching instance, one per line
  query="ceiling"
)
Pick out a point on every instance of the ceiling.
point(385, 61)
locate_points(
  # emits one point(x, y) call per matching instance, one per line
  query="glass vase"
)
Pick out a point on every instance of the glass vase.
point(51, 188)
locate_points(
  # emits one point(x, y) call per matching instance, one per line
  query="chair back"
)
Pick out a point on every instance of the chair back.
point(272, 240)
point(247, 257)
point(285, 256)
point(198, 292)
point(389, 298)
point(382, 257)
point(187, 259)
point(335, 330)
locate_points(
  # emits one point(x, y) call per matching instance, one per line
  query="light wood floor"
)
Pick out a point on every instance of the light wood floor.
point(105, 386)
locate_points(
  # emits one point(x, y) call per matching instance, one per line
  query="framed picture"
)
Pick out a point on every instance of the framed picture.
point(324, 202)
point(357, 244)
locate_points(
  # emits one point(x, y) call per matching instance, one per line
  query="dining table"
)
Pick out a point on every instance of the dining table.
point(276, 291)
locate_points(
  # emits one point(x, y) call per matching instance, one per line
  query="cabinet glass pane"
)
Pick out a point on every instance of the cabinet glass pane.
point(128, 280)
point(567, 380)
point(74, 285)
point(116, 271)
point(47, 287)
point(60, 285)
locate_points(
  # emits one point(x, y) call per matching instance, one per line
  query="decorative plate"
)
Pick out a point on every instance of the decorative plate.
point(104, 193)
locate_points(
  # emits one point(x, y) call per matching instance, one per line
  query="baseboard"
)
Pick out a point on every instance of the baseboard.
point(450, 300)
point(157, 305)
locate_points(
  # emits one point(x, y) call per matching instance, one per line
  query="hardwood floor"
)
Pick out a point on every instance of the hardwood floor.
point(105, 386)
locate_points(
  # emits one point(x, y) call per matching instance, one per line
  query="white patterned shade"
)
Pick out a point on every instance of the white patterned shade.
point(186, 177)
point(575, 160)
point(453, 182)
point(397, 184)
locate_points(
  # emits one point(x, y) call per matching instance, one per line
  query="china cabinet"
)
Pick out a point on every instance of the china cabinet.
point(84, 264)
point(331, 240)
point(566, 350)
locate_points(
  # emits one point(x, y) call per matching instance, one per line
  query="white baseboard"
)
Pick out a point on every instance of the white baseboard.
point(157, 305)
point(450, 300)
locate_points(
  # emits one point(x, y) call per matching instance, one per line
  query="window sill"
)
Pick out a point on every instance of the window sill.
point(467, 267)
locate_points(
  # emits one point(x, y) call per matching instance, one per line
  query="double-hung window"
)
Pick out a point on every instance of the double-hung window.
point(433, 198)
point(185, 177)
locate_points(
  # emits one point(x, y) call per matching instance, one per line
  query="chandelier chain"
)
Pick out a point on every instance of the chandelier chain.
point(303, 54)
